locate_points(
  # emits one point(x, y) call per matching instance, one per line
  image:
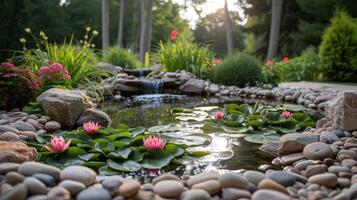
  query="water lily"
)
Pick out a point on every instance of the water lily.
point(91, 127)
point(218, 115)
point(153, 142)
point(287, 114)
point(58, 145)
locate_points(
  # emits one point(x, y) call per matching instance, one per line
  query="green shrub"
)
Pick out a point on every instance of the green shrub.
point(182, 55)
point(121, 57)
point(302, 68)
point(240, 69)
point(338, 49)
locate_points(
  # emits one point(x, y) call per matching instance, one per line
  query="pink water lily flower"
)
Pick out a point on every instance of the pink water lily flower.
point(287, 114)
point(91, 127)
point(218, 115)
point(58, 145)
point(153, 142)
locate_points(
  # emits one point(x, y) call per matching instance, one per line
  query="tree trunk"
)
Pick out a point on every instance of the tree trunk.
point(121, 23)
point(105, 25)
point(229, 29)
point(145, 36)
point(276, 10)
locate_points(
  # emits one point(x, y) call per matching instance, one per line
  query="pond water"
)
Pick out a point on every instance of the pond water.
point(226, 152)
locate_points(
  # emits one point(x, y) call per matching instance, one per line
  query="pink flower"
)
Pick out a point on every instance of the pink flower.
point(7, 64)
point(54, 72)
point(153, 142)
point(91, 127)
point(285, 59)
point(218, 115)
point(58, 145)
point(173, 34)
point(269, 63)
point(287, 114)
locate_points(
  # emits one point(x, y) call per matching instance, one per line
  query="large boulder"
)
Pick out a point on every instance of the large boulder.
point(64, 106)
point(295, 142)
point(17, 152)
point(110, 68)
point(342, 111)
point(194, 86)
point(94, 115)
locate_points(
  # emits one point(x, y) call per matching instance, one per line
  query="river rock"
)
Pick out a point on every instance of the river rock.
point(129, 188)
point(37, 197)
point(327, 179)
point(64, 106)
point(16, 152)
point(234, 193)
point(112, 184)
point(328, 137)
point(9, 136)
point(52, 126)
point(338, 169)
point(271, 185)
point(30, 168)
point(342, 110)
point(233, 180)
point(295, 142)
point(211, 186)
point(14, 178)
point(35, 186)
point(23, 126)
point(166, 176)
point(194, 86)
point(283, 178)
point(94, 193)
point(269, 195)
point(291, 158)
point(58, 193)
point(46, 179)
point(81, 174)
point(195, 194)
point(213, 175)
point(18, 192)
point(6, 128)
point(317, 151)
point(315, 169)
point(94, 115)
point(74, 187)
point(169, 188)
point(254, 176)
point(8, 167)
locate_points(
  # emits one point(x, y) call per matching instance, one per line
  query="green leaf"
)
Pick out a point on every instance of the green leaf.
point(103, 146)
point(198, 153)
point(89, 156)
point(107, 171)
point(94, 164)
point(288, 126)
point(179, 110)
point(274, 117)
point(119, 135)
point(209, 127)
point(137, 141)
point(157, 163)
point(74, 152)
point(120, 153)
point(304, 125)
point(174, 150)
point(137, 131)
point(255, 120)
point(136, 156)
point(245, 108)
point(237, 130)
point(127, 166)
point(301, 117)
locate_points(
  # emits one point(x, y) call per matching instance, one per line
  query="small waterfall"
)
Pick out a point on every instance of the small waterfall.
point(141, 73)
point(152, 86)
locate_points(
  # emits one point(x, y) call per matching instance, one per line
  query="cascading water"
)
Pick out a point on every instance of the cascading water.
point(150, 86)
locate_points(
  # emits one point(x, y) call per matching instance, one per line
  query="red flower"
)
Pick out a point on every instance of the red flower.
point(173, 34)
point(269, 63)
point(285, 59)
point(216, 61)
point(7, 64)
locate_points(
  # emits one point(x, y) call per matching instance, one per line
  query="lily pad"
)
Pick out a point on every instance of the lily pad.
point(262, 138)
point(274, 117)
point(157, 163)
point(127, 166)
point(120, 153)
point(206, 108)
point(237, 130)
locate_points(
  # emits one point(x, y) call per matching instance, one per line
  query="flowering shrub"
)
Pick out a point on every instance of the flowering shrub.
point(52, 75)
point(18, 86)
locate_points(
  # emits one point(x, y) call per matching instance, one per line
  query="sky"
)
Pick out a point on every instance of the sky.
point(210, 6)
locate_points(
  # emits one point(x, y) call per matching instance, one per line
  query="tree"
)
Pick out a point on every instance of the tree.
point(121, 22)
point(145, 21)
point(276, 10)
point(105, 25)
point(228, 22)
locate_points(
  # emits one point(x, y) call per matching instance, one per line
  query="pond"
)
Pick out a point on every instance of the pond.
point(227, 152)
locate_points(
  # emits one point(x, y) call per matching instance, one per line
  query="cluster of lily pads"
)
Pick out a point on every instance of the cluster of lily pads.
point(258, 123)
point(110, 151)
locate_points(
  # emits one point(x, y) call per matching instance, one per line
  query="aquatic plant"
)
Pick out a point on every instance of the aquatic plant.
point(58, 145)
point(218, 115)
point(153, 143)
point(91, 127)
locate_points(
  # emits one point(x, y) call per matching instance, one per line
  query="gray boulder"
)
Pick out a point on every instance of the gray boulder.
point(94, 115)
point(342, 111)
point(295, 142)
point(64, 106)
point(194, 86)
